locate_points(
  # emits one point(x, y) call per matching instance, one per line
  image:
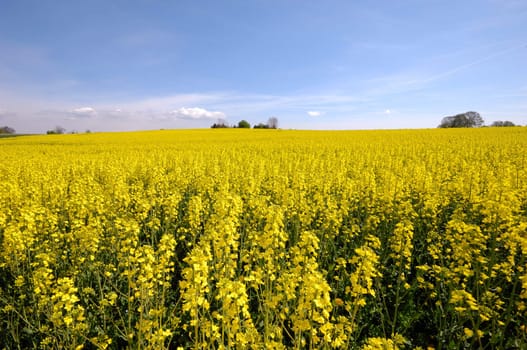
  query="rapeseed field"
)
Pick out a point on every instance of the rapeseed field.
point(264, 239)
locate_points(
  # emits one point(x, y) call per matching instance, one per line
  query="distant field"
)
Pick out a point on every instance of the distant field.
point(211, 239)
point(3, 136)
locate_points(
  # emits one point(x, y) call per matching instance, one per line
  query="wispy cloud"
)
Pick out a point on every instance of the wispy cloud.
point(468, 65)
point(293, 103)
point(196, 113)
point(173, 101)
point(173, 111)
point(420, 78)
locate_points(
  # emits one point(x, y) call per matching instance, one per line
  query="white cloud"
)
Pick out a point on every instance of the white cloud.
point(196, 113)
point(84, 112)
point(314, 113)
point(387, 111)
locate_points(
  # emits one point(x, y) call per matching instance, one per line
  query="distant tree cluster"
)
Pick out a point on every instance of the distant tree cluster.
point(7, 130)
point(272, 123)
point(56, 131)
point(501, 123)
point(463, 120)
point(261, 126)
point(220, 124)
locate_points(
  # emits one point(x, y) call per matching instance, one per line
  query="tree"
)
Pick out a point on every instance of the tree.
point(57, 130)
point(244, 124)
point(502, 123)
point(7, 130)
point(220, 124)
point(261, 126)
point(463, 120)
point(272, 123)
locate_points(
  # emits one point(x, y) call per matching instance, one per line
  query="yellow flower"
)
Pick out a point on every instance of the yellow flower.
point(468, 332)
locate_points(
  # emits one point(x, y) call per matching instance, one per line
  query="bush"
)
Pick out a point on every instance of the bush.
point(7, 130)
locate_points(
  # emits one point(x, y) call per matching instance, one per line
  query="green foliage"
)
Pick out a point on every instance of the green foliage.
point(463, 120)
point(7, 130)
point(220, 124)
point(244, 124)
point(500, 123)
point(57, 131)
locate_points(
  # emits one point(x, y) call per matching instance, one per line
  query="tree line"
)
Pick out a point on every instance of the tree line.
point(272, 123)
point(470, 119)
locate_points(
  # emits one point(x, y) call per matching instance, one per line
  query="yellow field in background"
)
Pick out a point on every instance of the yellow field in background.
point(234, 239)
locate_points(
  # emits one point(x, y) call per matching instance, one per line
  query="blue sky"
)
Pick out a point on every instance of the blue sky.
point(131, 65)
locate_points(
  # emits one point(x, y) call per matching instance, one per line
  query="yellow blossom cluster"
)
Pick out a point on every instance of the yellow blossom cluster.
point(264, 239)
